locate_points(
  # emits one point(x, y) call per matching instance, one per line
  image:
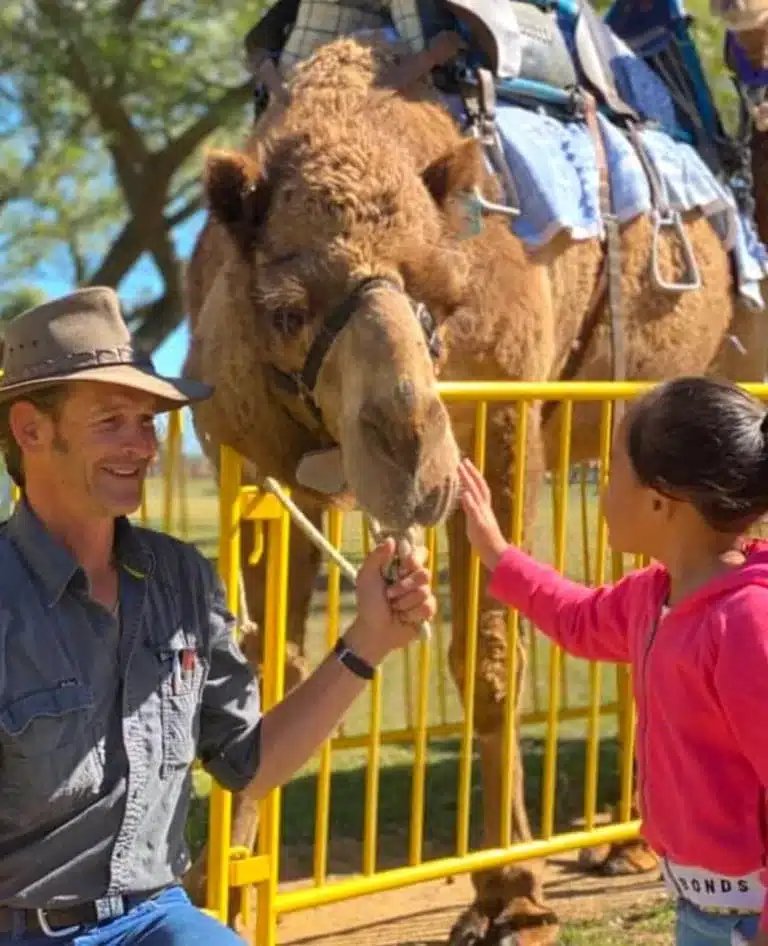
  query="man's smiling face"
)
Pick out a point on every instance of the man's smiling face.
point(96, 450)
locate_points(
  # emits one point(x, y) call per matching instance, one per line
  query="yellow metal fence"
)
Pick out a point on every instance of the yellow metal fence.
point(466, 856)
point(426, 691)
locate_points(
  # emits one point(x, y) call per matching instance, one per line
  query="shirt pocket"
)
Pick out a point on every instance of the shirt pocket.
point(49, 754)
point(183, 673)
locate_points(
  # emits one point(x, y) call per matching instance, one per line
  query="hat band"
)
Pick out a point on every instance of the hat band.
point(73, 362)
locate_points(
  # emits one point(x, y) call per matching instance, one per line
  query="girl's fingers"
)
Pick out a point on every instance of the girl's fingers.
point(473, 480)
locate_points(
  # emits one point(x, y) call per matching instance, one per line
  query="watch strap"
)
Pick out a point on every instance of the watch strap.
point(352, 662)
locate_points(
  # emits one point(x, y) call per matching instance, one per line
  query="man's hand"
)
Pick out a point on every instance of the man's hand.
point(389, 616)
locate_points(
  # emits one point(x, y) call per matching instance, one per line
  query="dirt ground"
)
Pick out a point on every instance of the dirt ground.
point(423, 915)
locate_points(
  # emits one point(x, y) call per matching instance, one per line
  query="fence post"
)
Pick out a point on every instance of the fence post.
point(273, 676)
point(220, 801)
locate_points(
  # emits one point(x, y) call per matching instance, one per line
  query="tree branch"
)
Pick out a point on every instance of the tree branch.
point(124, 142)
point(178, 150)
point(128, 246)
point(153, 322)
point(127, 10)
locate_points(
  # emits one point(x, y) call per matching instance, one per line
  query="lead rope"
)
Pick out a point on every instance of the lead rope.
point(403, 544)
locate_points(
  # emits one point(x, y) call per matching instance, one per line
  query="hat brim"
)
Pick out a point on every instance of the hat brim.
point(172, 393)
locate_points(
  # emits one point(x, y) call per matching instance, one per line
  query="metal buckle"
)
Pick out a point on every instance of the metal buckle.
point(49, 931)
point(106, 908)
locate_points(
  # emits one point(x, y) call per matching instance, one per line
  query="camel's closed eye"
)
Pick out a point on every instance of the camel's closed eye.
point(288, 319)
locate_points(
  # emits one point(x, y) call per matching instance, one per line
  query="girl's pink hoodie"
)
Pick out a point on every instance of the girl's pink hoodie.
point(700, 677)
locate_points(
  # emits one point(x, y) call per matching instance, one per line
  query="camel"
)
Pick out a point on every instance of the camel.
point(344, 208)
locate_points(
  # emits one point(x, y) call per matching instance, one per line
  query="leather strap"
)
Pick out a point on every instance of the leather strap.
point(78, 915)
point(613, 243)
point(361, 668)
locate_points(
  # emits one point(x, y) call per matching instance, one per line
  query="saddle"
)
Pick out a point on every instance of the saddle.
point(561, 57)
point(525, 48)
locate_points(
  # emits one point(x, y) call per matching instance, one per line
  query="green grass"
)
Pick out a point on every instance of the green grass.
point(647, 926)
point(398, 705)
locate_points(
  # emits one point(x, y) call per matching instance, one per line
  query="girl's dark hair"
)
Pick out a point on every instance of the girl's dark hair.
point(704, 441)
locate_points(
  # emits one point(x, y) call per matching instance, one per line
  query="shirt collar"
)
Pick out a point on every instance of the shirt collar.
point(55, 565)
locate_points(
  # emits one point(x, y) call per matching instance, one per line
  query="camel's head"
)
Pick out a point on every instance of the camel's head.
point(346, 271)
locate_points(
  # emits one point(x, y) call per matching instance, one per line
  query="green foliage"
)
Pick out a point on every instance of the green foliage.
point(104, 107)
point(15, 301)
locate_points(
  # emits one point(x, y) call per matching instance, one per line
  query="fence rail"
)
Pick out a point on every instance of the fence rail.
point(426, 685)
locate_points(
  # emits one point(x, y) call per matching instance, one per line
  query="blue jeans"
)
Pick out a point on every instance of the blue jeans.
point(169, 920)
point(697, 928)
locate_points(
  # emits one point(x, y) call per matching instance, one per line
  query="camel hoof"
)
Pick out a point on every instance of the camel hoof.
point(505, 934)
point(524, 922)
point(469, 929)
point(626, 860)
point(592, 859)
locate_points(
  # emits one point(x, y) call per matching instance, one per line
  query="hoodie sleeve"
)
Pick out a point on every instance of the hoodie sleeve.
point(587, 622)
point(741, 681)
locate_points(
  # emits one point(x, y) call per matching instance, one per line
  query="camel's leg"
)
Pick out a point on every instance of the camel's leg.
point(512, 897)
point(304, 564)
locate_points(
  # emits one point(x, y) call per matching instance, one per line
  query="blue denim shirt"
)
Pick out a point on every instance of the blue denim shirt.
point(101, 717)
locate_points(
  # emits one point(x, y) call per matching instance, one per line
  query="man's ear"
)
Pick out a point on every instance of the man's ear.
point(459, 170)
point(237, 194)
point(27, 426)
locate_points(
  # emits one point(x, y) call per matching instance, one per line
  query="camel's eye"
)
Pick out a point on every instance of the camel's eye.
point(287, 320)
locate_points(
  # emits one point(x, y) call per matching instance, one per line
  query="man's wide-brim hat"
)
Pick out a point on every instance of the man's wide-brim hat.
point(83, 337)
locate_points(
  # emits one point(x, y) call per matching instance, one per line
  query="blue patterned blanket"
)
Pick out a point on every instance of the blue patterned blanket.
point(553, 164)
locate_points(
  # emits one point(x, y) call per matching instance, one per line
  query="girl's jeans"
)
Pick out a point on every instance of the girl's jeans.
point(697, 928)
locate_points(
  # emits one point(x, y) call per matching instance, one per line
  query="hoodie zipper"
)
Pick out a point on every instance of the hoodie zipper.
point(644, 809)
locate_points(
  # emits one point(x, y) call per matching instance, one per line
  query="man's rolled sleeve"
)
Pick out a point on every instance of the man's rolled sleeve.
point(230, 716)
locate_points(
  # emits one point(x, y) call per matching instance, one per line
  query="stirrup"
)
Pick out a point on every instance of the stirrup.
point(671, 219)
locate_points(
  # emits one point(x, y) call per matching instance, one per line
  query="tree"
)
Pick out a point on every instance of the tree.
point(18, 300)
point(104, 107)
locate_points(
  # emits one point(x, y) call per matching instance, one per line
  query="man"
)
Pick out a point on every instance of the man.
point(117, 661)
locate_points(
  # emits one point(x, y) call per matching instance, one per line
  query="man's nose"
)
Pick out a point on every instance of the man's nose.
point(141, 442)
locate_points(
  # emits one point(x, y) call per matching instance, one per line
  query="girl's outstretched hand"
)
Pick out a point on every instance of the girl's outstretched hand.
point(482, 528)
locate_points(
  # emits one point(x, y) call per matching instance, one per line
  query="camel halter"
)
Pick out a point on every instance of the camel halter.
point(302, 383)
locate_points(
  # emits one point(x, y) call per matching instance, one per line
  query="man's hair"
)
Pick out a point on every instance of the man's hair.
point(47, 400)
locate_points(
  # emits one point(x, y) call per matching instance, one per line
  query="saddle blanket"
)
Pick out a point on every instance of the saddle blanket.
point(554, 167)
point(554, 163)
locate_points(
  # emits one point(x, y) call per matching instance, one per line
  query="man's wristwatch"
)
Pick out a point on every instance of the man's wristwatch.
point(351, 661)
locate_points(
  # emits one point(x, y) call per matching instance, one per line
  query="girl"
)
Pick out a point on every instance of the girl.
point(689, 475)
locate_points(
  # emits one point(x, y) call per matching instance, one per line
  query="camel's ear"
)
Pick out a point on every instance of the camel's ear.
point(456, 171)
point(237, 193)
